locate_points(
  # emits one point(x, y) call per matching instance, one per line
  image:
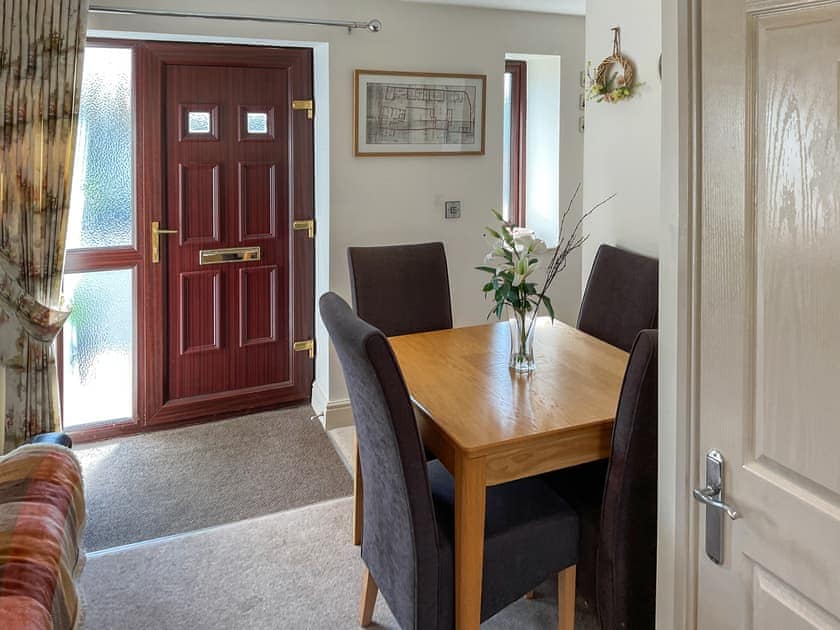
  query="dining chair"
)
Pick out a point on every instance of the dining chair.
point(616, 503)
point(401, 289)
point(408, 546)
point(621, 297)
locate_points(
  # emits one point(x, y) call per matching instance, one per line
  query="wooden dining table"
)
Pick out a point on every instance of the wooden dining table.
point(489, 425)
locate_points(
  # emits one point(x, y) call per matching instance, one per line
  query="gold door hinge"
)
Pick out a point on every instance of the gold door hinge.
point(306, 346)
point(308, 225)
point(307, 104)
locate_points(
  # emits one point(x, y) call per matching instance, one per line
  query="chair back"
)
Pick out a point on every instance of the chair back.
point(626, 564)
point(401, 289)
point(401, 538)
point(621, 298)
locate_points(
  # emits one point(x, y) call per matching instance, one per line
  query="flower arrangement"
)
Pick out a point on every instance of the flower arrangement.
point(515, 255)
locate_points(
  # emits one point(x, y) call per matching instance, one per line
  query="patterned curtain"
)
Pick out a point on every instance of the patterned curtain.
point(41, 45)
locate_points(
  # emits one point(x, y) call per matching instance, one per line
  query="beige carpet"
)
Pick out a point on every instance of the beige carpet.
point(293, 570)
point(174, 481)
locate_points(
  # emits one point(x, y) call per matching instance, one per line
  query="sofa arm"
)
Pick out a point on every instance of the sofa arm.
point(41, 529)
point(62, 439)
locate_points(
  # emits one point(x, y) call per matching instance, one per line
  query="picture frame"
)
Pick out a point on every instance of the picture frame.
point(418, 113)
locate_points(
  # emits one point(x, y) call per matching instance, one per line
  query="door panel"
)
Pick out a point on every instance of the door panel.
point(197, 202)
point(201, 307)
point(778, 607)
point(769, 341)
point(797, 192)
point(237, 170)
point(257, 204)
point(258, 286)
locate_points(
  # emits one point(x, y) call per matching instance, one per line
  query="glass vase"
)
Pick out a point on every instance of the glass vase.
point(522, 328)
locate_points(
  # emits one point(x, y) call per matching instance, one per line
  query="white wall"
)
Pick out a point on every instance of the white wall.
point(393, 200)
point(624, 153)
point(622, 140)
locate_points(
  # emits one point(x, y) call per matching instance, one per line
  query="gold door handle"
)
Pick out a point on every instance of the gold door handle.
point(156, 232)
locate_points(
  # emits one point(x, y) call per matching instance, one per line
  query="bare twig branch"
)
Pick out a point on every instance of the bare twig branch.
point(565, 247)
point(568, 211)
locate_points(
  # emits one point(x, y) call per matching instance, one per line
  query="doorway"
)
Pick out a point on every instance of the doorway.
point(220, 247)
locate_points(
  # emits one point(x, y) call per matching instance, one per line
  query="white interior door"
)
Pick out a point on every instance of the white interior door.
point(769, 328)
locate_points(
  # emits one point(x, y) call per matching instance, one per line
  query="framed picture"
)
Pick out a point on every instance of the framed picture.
point(418, 113)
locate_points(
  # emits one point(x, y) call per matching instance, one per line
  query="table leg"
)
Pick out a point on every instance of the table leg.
point(358, 509)
point(470, 497)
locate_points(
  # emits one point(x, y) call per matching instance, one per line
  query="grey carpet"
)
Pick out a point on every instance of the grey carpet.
point(167, 482)
point(295, 570)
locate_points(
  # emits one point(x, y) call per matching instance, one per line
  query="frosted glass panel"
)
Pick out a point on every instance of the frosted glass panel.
point(99, 347)
point(257, 123)
point(198, 122)
point(102, 200)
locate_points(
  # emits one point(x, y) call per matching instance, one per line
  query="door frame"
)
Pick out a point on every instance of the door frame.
point(320, 51)
point(679, 297)
point(156, 55)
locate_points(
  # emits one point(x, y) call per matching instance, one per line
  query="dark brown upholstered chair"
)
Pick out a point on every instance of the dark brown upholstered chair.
point(401, 289)
point(616, 503)
point(408, 546)
point(621, 298)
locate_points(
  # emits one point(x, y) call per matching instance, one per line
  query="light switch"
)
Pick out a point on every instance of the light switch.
point(452, 210)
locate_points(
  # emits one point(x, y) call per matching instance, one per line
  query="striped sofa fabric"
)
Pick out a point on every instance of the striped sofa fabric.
point(42, 513)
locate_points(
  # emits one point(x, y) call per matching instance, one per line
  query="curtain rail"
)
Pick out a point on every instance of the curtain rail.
point(374, 26)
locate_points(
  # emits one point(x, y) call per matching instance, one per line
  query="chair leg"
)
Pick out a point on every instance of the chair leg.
point(531, 595)
point(368, 601)
point(358, 509)
point(566, 598)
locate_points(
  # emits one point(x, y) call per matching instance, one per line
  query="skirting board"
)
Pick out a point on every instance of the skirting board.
point(332, 413)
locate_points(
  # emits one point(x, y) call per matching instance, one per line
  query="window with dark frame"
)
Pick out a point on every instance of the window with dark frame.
point(515, 110)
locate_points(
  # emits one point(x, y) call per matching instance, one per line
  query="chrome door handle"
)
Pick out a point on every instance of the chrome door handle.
point(707, 496)
point(713, 497)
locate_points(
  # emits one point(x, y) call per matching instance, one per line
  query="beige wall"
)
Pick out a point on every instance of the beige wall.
point(393, 200)
point(622, 140)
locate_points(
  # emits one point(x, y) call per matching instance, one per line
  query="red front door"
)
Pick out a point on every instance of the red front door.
point(234, 282)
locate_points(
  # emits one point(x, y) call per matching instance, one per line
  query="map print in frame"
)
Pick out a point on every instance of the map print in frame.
point(408, 113)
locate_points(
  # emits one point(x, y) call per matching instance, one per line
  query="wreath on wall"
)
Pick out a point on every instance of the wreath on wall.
point(609, 85)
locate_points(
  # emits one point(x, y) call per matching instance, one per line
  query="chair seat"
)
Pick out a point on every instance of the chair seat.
point(531, 533)
point(582, 487)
